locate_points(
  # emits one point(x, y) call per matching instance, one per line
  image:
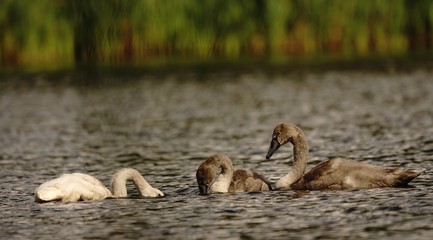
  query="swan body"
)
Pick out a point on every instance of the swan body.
point(75, 187)
point(210, 180)
point(337, 173)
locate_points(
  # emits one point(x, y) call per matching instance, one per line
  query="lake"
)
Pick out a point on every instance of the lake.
point(166, 123)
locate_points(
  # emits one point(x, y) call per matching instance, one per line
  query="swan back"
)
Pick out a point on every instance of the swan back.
point(245, 180)
point(71, 188)
point(119, 179)
point(341, 173)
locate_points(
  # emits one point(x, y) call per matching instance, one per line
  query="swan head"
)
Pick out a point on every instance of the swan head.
point(153, 192)
point(282, 134)
point(207, 173)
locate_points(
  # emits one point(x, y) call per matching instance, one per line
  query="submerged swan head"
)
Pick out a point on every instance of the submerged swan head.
point(283, 133)
point(205, 178)
point(208, 177)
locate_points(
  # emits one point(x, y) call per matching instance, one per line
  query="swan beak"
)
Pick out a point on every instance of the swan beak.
point(273, 148)
point(203, 189)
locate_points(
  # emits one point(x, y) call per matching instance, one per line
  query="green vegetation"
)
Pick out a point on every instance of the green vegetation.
point(64, 32)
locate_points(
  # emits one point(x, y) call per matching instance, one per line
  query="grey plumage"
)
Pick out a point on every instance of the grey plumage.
point(334, 174)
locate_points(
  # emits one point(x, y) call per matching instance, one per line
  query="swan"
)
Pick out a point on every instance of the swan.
point(228, 180)
point(74, 187)
point(337, 173)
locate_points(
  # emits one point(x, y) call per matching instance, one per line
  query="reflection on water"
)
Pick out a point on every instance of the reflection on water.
point(165, 125)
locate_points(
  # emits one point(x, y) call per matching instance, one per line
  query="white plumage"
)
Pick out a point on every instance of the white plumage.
point(82, 187)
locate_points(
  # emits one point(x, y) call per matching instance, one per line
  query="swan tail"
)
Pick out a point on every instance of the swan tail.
point(403, 178)
point(47, 194)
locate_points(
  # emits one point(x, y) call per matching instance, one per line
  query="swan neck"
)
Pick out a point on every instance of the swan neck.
point(118, 182)
point(300, 157)
point(300, 154)
point(227, 168)
point(222, 182)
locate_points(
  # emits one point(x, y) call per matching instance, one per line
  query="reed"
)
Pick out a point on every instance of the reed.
point(81, 31)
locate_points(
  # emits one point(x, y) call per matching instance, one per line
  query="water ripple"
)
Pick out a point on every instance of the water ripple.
point(166, 125)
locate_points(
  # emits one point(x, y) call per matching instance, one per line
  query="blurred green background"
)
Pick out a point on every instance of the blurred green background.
point(69, 32)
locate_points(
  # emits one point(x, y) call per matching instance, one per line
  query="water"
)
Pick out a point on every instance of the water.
point(166, 124)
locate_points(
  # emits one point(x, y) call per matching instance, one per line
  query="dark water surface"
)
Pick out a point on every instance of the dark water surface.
point(165, 125)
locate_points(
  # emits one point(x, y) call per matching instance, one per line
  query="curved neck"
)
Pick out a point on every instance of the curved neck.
point(119, 179)
point(222, 182)
point(300, 158)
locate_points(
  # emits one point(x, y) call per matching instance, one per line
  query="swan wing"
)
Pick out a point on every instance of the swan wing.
point(340, 173)
point(322, 176)
point(337, 174)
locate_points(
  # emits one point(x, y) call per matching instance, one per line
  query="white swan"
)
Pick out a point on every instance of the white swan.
point(78, 186)
point(336, 173)
point(241, 180)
